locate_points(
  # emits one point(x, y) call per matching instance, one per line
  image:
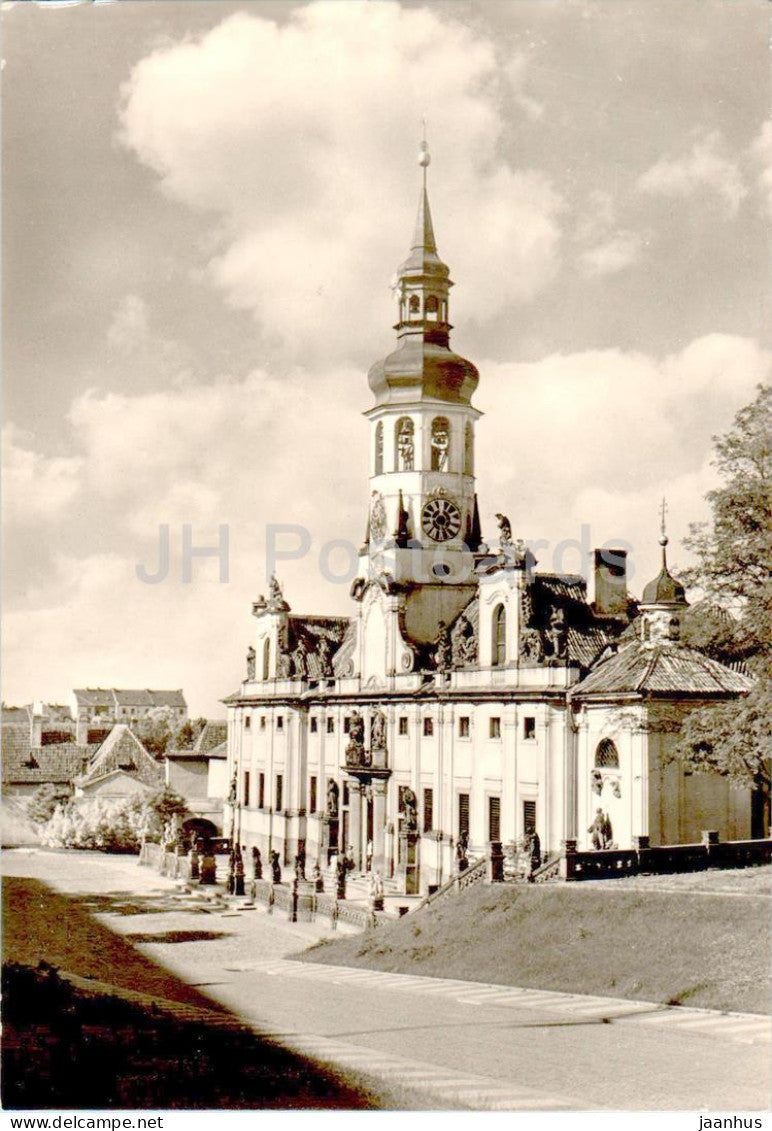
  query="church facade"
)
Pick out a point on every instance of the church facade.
point(469, 697)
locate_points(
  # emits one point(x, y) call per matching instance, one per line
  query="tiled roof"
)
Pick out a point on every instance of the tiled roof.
point(213, 734)
point(122, 750)
point(58, 764)
point(94, 697)
point(663, 670)
point(128, 697)
point(220, 751)
point(167, 698)
point(16, 717)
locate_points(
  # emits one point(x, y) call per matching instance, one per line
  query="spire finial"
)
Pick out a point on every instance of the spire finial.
point(424, 159)
point(663, 538)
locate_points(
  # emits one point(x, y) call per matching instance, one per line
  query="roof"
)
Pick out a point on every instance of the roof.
point(58, 764)
point(664, 590)
point(128, 697)
point(219, 752)
point(213, 734)
point(16, 717)
point(663, 670)
point(196, 755)
point(122, 750)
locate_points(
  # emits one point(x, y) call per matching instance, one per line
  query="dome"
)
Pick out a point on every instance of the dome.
point(664, 590)
point(423, 368)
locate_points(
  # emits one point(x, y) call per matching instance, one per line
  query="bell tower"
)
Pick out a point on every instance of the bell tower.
point(423, 528)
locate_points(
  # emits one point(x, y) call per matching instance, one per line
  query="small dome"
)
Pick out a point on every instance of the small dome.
point(664, 590)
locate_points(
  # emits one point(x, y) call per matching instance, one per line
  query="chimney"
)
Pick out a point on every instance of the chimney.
point(609, 582)
point(81, 727)
point(36, 724)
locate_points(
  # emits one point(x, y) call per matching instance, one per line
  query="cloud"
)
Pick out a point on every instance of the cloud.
point(298, 140)
point(761, 155)
point(703, 168)
point(36, 486)
point(129, 329)
point(606, 248)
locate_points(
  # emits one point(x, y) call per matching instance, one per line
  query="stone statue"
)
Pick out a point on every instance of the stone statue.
point(257, 863)
point(275, 867)
point(531, 645)
point(558, 632)
point(341, 870)
point(462, 860)
point(598, 830)
point(405, 451)
point(596, 781)
point(608, 832)
point(251, 658)
point(410, 801)
point(300, 661)
point(324, 656)
point(440, 443)
point(534, 850)
point(355, 749)
point(284, 666)
point(332, 799)
point(233, 792)
point(463, 642)
point(300, 861)
point(274, 590)
point(378, 730)
point(443, 648)
point(616, 787)
point(505, 530)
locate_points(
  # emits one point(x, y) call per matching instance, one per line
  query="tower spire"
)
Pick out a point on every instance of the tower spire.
point(663, 538)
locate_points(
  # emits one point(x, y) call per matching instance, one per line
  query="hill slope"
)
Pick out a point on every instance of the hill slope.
point(711, 950)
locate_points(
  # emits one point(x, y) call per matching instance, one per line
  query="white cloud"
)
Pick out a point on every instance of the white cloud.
point(36, 486)
point(761, 154)
point(606, 247)
point(704, 168)
point(300, 140)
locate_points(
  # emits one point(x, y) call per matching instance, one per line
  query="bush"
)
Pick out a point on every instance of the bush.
point(45, 801)
point(94, 823)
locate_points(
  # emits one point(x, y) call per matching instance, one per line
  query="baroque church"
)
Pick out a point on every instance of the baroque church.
point(470, 697)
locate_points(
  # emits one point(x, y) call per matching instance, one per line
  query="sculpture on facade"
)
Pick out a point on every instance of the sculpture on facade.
point(341, 870)
point(557, 634)
point(332, 799)
point(443, 648)
point(257, 863)
point(324, 656)
point(462, 846)
point(233, 791)
point(300, 861)
point(531, 646)
point(300, 661)
point(378, 730)
point(355, 749)
point(274, 590)
point(251, 660)
point(505, 530)
point(463, 642)
point(601, 831)
point(410, 802)
point(405, 449)
point(275, 867)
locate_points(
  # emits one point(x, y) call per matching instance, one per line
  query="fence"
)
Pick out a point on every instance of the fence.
point(474, 874)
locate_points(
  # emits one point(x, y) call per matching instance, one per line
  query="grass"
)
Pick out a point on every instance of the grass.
point(66, 1048)
point(613, 940)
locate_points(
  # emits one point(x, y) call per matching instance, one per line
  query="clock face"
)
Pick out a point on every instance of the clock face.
point(441, 520)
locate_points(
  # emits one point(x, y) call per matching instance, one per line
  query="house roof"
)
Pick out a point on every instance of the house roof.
point(16, 717)
point(219, 752)
point(93, 697)
point(213, 734)
point(128, 697)
point(122, 750)
point(57, 764)
point(663, 670)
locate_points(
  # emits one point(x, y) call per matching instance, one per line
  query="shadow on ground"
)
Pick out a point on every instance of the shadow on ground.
point(66, 1046)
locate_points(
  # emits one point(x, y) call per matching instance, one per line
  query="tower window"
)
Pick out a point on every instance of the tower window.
point(414, 306)
point(405, 444)
point(529, 727)
point(499, 639)
point(607, 755)
point(402, 726)
point(494, 730)
point(440, 444)
point(379, 448)
point(463, 726)
point(468, 450)
point(428, 727)
point(331, 726)
point(314, 724)
point(432, 308)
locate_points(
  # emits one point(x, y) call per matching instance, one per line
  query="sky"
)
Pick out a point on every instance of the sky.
point(204, 206)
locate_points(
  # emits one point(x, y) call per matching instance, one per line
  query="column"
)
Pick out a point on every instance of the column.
point(355, 822)
point(379, 825)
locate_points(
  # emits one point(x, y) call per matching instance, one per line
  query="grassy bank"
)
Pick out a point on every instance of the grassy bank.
point(680, 947)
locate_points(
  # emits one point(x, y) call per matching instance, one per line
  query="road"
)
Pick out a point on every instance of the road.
point(469, 1045)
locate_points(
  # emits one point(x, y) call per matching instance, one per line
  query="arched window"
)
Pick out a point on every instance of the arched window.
point(266, 658)
point(432, 307)
point(379, 448)
point(468, 449)
point(440, 444)
point(607, 755)
point(404, 458)
point(414, 305)
point(499, 637)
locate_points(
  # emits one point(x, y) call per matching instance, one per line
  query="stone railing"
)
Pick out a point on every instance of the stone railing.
point(475, 873)
point(663, 859)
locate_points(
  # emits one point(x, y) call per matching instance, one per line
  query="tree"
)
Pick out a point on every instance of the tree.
point(157, 730)
point(46, 800)
point(734, 563)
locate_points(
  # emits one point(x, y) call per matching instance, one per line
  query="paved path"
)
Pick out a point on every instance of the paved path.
point(465, 1043)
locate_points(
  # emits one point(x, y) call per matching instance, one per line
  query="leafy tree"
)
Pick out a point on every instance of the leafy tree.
point(46, 800)
point(157, 730)
point(734, 556)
